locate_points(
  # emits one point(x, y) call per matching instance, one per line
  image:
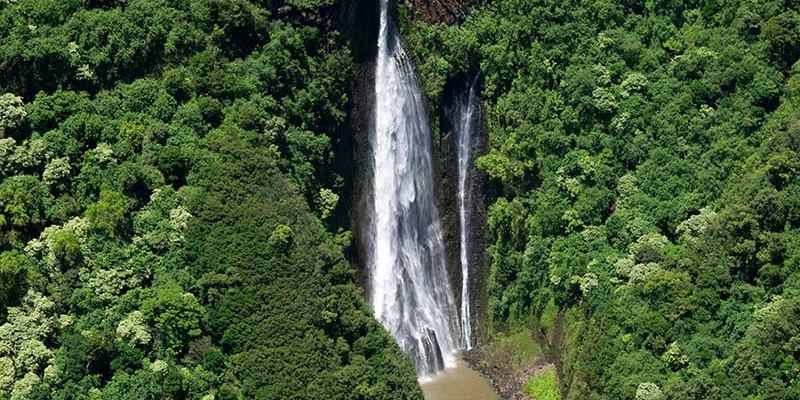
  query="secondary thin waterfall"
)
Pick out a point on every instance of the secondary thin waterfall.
point(409, 289)
point(464, 130)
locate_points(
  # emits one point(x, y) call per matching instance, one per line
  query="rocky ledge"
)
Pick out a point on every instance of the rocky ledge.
point(440, 11)
point(506, 375)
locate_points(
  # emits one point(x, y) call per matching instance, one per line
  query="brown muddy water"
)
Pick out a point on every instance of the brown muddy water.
point(458, 383)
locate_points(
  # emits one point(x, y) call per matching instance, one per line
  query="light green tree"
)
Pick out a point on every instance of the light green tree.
point(694, 226)
point(23, 387)
point(31, 154)
point(327, 202)
point(12, 111)
point(22, 344)
point(674, 357)
point(133, 329)
point(7, 376)
point(7, 148)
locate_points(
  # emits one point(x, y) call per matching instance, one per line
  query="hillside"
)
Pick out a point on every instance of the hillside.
point(645, 177)
point(198, 198)
point(166, 206)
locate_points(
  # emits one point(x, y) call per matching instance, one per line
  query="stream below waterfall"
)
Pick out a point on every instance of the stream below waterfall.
point(458, 383)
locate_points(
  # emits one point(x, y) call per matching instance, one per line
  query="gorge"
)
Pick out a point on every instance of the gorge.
point(410, 290)
point(399, 200)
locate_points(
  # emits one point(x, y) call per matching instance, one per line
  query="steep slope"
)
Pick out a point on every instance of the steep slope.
point(644, 170)
point(168, 205)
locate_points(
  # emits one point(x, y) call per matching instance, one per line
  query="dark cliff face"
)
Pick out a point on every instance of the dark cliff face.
point(456, 91)
point(358, 21)
point(359, 26)
point(439, 11)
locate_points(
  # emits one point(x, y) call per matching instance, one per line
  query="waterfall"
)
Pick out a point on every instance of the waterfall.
point(466, 112)
point(409, 288)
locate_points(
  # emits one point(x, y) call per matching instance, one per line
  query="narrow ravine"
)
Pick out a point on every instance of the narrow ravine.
point(409, 288)
point(459, 383)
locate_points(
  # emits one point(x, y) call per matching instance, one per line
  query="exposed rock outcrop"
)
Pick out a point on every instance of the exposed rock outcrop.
point(500, 370)
point(436, 11)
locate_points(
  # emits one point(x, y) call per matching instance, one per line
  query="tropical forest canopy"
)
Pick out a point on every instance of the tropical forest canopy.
point(170, 211)
point(166, 206)
point(645, 197)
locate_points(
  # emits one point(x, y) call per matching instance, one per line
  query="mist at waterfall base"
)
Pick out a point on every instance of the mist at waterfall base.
point(409, 288)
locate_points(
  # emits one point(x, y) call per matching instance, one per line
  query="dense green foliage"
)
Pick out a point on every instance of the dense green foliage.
point(167, 197)
point(160, 164)
point(645, 167)
point(543, 386)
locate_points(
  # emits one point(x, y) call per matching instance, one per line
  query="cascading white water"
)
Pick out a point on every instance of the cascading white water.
point(410, 291)
point(466, 111)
